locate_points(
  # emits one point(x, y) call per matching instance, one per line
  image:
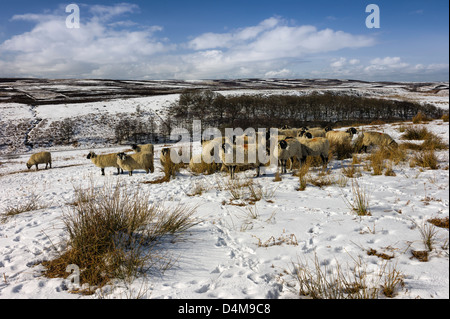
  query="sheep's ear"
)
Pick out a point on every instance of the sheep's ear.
point(309, 135)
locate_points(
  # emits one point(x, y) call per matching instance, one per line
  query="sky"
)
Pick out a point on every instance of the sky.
point(198, 39)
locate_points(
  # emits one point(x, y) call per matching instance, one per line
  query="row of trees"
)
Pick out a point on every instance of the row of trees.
point(320, 108)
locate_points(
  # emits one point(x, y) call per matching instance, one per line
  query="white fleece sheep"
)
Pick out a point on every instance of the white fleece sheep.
point(148, 148)
point(233, 156)
point(317, 146)
point(289, 149)
point(367, 139)
point(40, 158)
point(131, 162)
point(318, 131)
point(293, 132)
point(103, 161)
point(341, 137)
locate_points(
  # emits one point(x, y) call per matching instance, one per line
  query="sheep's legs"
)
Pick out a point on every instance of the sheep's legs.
point(232, 170)
point(283, 166)
point(103, 172)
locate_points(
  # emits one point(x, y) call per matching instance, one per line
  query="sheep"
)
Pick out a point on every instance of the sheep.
point(40, 158)
point(106, 160)
point(289, 149)
point(315, 131)
point(147, 148)
point(233, 156)
point(169, 166)
point(289, 132)
point(317, 146)
point(367, 139)
point(131, 162)
point(340, 137)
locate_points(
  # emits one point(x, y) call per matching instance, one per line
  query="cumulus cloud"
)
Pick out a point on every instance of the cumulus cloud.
point(109, 44)
point(382, 68)
point(52, 49)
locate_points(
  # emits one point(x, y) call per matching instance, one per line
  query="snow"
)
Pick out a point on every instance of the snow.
point(229, 254)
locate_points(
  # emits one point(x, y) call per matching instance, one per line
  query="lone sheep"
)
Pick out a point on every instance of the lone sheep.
point(40, 158)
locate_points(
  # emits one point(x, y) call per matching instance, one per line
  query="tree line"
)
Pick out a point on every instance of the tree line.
point(318, 108)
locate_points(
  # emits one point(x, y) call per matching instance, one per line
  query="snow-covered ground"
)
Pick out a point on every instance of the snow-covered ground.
point(235, 251)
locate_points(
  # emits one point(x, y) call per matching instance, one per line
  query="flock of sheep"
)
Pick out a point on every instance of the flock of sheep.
point(243, 151)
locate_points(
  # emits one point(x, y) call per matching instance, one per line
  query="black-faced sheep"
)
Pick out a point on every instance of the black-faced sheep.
point(247, 155)
point(341, 137)
point(316, 146)
point(103, 161)
point(40, 158)
point(289, 149)
point(131, 162)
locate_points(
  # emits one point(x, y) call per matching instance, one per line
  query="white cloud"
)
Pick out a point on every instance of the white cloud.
point(109, 44)
point(53, 50)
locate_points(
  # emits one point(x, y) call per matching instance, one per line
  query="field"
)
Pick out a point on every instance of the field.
point(340, 232)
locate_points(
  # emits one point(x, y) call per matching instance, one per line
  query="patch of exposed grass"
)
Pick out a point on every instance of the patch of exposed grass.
point(322, 281)
point(31, 203)
point(115, 234)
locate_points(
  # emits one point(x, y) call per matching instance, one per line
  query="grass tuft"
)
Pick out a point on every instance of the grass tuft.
point(115, 234)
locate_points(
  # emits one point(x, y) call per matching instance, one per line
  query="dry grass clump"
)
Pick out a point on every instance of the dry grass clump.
point(416, 133)
point(115, 234)
point(431, 140)
point(360, 203)
point(444, 118)
point(420, 118)
point(439, 222)
point(342, 150)
point(246, 190)
point(321, 281)
point(30, 204)
point(425, 159)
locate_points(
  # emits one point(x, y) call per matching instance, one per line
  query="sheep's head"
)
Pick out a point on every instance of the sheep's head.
point(90, 155)
point(134, 147)
point(29, 166)
point(283, 144)
point(165, 151)
point(121, 156)
point(352, 131)
point(327, 129)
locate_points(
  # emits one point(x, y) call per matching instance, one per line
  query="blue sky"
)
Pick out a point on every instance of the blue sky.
point(200, 39)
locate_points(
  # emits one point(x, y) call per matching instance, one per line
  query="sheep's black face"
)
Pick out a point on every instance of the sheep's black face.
point(308, 135)
point(283, 145)
point(121, 156)
point(165, 151)
point(352, 131)
point(90, 155)
point(134, 147)
point(327, 129)
point(28, 166)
